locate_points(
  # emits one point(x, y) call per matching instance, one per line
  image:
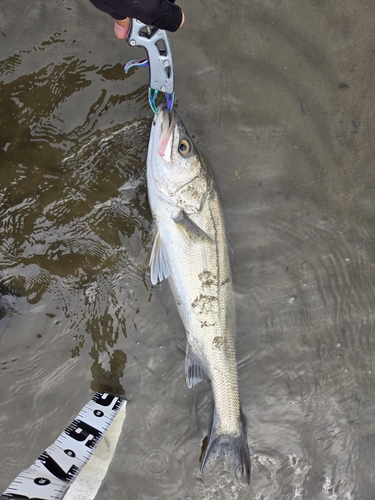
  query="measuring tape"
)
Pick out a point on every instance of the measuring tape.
point(58, 466)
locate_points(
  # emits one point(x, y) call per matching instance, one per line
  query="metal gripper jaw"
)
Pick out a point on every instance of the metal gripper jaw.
point(159, 60)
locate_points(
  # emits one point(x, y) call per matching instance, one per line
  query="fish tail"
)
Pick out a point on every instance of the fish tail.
point(234, 450)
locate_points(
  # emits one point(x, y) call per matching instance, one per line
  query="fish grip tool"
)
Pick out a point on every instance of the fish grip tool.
point(158, 61)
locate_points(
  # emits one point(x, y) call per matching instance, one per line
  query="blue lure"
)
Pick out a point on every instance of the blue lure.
point(152, 93)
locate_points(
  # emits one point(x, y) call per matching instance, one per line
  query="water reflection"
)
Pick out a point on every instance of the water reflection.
point(108, 380)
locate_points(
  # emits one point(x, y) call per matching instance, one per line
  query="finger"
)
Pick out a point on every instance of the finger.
point(183, 20)
point(122, 28)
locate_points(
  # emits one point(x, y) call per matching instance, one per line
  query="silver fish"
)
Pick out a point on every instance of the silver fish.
point(190, 249)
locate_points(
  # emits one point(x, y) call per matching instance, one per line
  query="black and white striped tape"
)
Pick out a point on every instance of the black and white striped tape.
point(57, 467)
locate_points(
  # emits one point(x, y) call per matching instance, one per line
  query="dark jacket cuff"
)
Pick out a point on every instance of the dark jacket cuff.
point(163, 14)
point(170, 17)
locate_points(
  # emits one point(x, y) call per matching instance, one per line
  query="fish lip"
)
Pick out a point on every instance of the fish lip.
point(167, 125)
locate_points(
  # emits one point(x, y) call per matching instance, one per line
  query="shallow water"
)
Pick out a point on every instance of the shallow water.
point(279, 97)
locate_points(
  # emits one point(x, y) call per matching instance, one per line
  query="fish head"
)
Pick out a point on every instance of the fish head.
point(173, 160)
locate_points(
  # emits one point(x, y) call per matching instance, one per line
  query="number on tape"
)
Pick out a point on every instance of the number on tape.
point(57, 467)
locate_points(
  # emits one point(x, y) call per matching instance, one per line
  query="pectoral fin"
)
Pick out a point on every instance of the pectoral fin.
point(191, 229)
point(194, 371)
point(158, 261)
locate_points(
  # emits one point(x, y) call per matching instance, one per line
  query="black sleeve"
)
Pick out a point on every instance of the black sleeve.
point(163, 14)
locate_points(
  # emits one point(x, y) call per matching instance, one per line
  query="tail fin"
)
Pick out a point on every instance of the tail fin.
point(234, 450)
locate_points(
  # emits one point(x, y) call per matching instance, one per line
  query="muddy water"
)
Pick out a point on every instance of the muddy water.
point(279, 97)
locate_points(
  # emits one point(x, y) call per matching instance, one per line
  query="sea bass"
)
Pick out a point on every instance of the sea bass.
point(190, 249)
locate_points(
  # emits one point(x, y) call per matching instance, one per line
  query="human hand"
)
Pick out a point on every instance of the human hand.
point(122, 27)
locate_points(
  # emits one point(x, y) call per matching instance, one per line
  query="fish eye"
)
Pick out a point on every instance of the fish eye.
point(184, 147)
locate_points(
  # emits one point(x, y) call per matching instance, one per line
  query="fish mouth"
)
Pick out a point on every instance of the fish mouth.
point(167, 126)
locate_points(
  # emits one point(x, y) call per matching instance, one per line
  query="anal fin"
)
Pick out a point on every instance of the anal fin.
point(194, 371)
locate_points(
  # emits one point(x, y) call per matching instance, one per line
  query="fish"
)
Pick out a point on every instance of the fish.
point(190, 249)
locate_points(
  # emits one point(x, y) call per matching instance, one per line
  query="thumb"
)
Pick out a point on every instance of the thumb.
point(122, 28)
point(183, 20)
